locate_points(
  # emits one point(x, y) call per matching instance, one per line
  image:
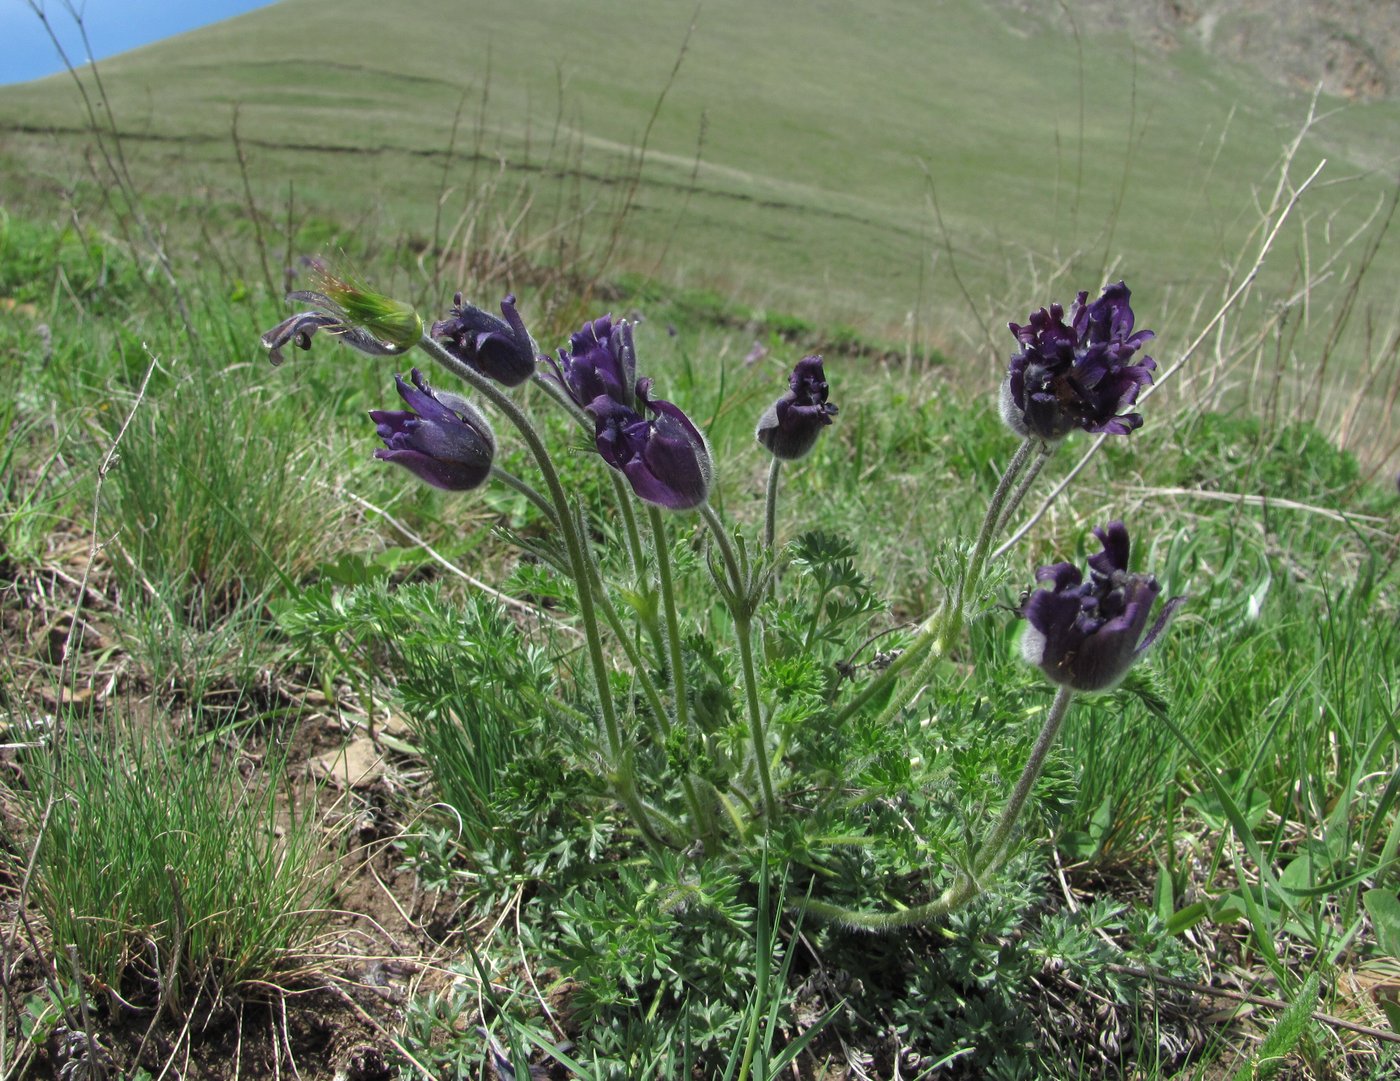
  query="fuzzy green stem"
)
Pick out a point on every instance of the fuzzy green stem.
point(992, 852)
point(1046, 452)
point(635, 552)
point(978, 560)
point(527, 490)
point(770, 506)
point(743, 635)
point(578, 560)
point(726, 548)
point(997, 843)
point(661, 542)
point(705, 823)
point(634, 658)
point(555, 390)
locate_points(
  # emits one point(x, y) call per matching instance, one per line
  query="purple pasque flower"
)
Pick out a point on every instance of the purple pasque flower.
point(1079, 374)
point(790, 427)
point(1086, 635)
point(664, 458)
point(299, 329)
point(650, 441)
point(600, 362)
point(441, 438)
point(499, 348)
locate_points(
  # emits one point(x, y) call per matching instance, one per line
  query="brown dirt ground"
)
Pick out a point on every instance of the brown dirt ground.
point(333, 1015)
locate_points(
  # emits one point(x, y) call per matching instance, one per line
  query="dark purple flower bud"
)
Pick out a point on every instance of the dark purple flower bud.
point(665, 459)
point(790, 427)
point(299, 329)
point(441, 438)
point(499, 348)
point(600, 361)
point(1079, 374)
point(1087, 635)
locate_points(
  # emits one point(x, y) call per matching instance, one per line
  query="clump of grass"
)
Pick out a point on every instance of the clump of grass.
point(205, 497)
point(166, 870)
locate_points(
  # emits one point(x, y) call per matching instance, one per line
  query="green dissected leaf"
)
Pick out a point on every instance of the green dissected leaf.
point(1285, 1034)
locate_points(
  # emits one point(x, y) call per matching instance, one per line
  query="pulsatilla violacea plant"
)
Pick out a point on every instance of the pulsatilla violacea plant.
point(715, 768)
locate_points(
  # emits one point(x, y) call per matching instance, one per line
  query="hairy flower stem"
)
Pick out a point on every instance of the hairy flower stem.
point(527, 490)
point(634, 658)
point(990, 857)
point(1047, 451)
point(743, 629)
point(661, 542)
point(770, 507)
point(740, 610)
point(998, 843)
point(977, 562)
point(579, 562)
point(635, 552)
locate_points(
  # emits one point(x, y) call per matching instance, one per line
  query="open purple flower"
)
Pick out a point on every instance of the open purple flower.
point(600, 362)
point(665, 458)
point(441, 438)
point(790, 426)
point(1086, 635)
point(499, 348)
point(1079, 374)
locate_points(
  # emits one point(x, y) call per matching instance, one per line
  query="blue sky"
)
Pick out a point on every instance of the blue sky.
point(113, 26)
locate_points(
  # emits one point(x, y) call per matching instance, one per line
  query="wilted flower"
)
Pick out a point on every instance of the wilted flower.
point(1086, 635)
point(600, 362)
point(1080, 374)
point(790, 427)
point(499, 348)
point(665, 459)
point(298, 330)
point(441, 438)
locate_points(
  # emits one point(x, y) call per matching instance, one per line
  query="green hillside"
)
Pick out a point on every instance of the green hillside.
point(821, 131)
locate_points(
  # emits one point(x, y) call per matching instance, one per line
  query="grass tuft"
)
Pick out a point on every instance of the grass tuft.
point(167, 870)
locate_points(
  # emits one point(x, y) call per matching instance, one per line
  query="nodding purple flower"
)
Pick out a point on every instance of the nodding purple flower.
point(299, 329)
point(600, 362)
point(1079, 374)
point(499, 348)
point(441, 438)
point(790, 427)
point(665, 458)
point(1086, 635)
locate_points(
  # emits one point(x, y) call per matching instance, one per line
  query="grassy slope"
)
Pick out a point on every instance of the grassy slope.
point(816, 131)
